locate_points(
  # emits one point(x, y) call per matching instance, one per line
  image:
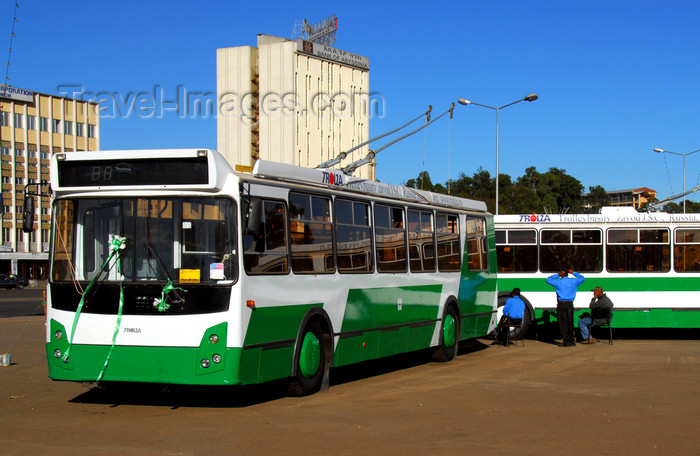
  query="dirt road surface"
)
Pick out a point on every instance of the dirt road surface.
point(636, 397)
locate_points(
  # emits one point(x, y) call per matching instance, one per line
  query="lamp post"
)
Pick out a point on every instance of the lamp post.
point(464, 101)
point(660, 150)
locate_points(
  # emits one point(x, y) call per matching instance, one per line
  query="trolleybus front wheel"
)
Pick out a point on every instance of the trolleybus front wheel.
point(310, 362)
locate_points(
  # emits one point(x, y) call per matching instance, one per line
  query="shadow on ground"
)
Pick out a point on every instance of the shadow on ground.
point(176, 396)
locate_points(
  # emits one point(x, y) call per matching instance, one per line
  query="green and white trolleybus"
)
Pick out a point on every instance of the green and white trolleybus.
point(170, 267)
point(647, 263)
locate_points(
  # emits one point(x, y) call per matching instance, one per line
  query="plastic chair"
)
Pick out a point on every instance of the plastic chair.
point(509, 333)
point(605, 324)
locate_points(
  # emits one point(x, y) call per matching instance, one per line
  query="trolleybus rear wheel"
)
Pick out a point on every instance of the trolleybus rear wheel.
point(310, 364)
point(450, 331)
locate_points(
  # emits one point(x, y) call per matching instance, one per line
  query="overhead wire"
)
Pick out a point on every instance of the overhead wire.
point(373, 153)
point(341, 156)
point(9, 53)
point(668, 174)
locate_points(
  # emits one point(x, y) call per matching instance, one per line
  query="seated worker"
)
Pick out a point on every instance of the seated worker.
point(600, 306)
point(512, 314)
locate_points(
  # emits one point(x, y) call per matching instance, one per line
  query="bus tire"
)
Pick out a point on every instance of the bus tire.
point(449, 336)
point(518, 333)
point(310, 362)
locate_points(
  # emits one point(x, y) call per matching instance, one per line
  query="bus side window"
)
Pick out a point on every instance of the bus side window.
point(265, 238)
point(477, 248)
point(448, 243)
point(254, 232)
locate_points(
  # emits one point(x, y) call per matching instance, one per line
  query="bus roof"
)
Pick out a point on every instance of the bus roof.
point(332, 178)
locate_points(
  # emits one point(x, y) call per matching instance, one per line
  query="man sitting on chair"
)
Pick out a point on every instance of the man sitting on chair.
point(512, 315)
point(601, 308)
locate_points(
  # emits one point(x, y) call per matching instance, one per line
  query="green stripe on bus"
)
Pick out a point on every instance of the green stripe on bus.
point(385, 321)
point(609, 283)
point(381, 307)
point(275, 324)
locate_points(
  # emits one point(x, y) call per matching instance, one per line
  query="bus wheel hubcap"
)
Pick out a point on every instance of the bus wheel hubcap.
point(310, 355)
point(449, 331)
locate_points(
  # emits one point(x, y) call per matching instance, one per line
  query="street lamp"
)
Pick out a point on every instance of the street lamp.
point(660, 150)
point(464, 101)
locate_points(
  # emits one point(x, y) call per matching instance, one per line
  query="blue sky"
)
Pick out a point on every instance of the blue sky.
point(615, 78)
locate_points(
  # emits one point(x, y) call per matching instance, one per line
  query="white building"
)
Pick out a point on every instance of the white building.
point(33, 126)
point(293, 102)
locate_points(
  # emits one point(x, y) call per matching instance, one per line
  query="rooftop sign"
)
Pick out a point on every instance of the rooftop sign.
point(15, 93)
point(334, 55)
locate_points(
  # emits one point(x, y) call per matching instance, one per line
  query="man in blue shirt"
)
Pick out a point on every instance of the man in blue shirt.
point(566, 293)
point(512, 314)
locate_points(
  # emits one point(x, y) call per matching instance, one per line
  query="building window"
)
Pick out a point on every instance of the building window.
point(31, 123)
point(7, 209)
point(19, 152)
point(79, 129)
point(31, 154)
point(92, 131)
point(68, 127)
point(5, 119)
point(18, 120)
point(6, 151)
point(43, 123)
point(19, 180)
point(56, 126)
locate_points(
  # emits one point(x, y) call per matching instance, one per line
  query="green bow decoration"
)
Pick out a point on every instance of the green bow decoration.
point(160, 303)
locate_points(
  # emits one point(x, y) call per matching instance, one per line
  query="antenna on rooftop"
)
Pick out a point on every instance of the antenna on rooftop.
point(322, 32)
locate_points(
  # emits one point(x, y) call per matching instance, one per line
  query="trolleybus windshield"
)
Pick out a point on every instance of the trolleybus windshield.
point(186, 240)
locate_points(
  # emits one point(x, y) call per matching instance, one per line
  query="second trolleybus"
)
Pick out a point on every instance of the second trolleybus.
point(647, 263)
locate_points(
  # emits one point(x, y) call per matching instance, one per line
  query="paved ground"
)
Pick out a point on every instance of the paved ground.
point(640, 396)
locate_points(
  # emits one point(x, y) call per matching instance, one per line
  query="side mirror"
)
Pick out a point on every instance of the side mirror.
point(28, 223)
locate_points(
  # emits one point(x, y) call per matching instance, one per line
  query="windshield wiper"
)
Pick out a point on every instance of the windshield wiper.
point(152, 253)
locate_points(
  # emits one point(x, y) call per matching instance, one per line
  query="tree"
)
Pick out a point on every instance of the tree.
point(422, 182)
point(597, 198)
point(550, 192)
point(479, 187)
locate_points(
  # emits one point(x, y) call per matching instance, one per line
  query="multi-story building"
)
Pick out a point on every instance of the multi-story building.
point(32, 127)
point(294, 102)
point(634, 197)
